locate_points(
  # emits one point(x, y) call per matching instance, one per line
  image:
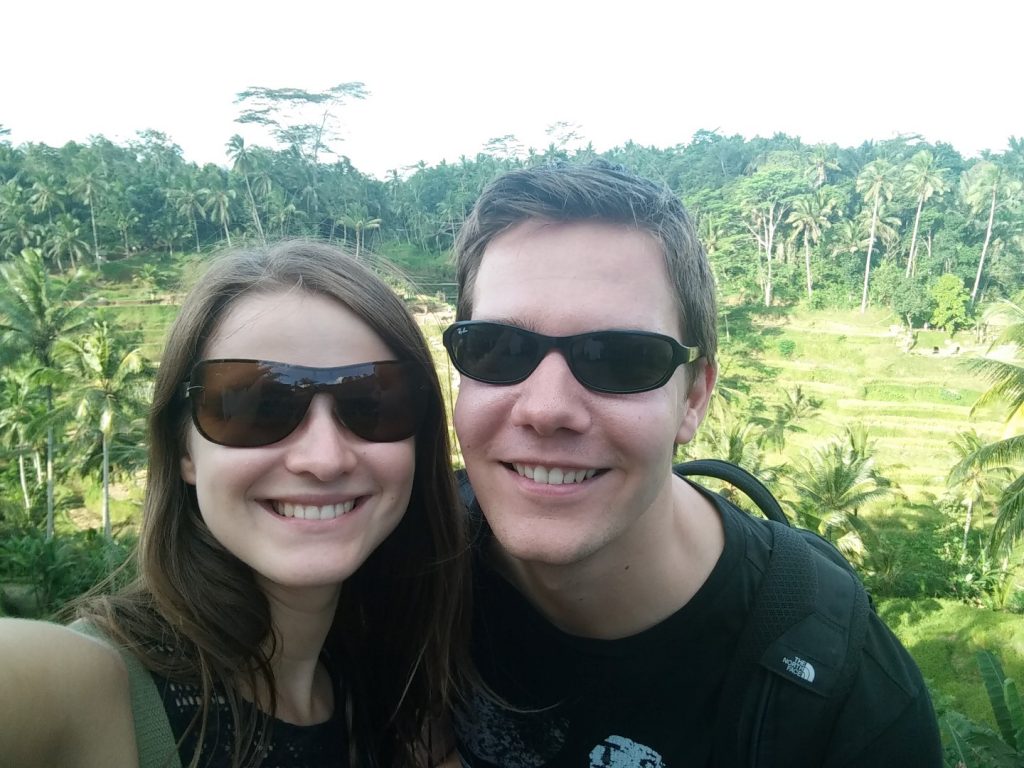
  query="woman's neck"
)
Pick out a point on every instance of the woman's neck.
point(301, 620)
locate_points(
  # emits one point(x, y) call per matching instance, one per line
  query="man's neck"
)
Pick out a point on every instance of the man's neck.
point(622, 590)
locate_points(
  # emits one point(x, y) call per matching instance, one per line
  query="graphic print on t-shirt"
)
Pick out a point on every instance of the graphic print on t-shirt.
point(620, 752)
point(511, 739)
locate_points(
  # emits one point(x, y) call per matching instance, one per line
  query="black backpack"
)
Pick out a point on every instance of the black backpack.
point(800, 650)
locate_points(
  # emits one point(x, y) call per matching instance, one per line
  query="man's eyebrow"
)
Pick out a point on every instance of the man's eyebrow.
point(513, 320)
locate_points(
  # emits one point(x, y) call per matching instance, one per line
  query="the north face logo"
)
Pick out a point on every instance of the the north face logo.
point(799, 668)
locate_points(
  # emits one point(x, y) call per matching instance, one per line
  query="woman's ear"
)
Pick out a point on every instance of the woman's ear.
point(188, 469)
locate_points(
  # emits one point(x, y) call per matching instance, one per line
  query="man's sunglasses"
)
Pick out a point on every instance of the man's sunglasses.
point(617, 362)
point(249, 403)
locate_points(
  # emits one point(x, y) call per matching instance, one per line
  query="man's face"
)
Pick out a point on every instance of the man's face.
point(560, 279)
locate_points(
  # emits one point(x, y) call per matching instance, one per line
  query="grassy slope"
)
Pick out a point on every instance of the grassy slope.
point(943, 636)
point(913, 404)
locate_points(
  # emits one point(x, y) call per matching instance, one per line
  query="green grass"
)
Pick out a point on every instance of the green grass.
point(943, 635)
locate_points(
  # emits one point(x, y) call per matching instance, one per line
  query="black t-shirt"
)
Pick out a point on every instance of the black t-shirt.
point(612, 702)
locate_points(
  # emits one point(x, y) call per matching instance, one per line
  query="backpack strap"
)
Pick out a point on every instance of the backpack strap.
point(738, 477)
point(153, 736)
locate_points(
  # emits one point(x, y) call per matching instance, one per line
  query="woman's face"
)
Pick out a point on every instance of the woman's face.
point(260, 503)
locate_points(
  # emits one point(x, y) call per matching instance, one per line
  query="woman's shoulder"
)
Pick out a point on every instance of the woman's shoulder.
point(64, 698)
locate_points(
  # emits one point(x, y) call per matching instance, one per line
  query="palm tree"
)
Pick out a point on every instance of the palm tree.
point(922, 178)
point(65, 239)
point(17, 230)
point(36, 310)
point(875, 183)
point(359, 222)
point(821, 162)
point(47, 196)
point(188, 202)
point(87, 181)
point(111, 388)
point(832, 484)
point(1006, 386)
point(217, 204)
point(243, 164)
point(973, 480)
point(795, 405)
point(810, 215)
point(980, 187)
point(19, 413)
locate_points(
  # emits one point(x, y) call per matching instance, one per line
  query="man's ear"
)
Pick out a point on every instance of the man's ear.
point(695, 402)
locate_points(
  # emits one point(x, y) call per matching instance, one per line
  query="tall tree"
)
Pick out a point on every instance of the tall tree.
point(243, 165)
point(875, 183)
point(810, 215)
point(971, 480)
point(188, 201)
point(302, 120)
point(1006, 380)
point(217, 204)
point(980, 187)
point(822, 161)
point(922, 178)
point(19, 414)
point(87, 181)
point(36, 310)
point(111, 387)
point(765, 197)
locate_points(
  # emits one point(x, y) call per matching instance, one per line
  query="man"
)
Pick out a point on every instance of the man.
point(610, 594)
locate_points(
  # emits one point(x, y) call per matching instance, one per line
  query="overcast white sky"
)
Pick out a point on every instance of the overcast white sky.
point(445, 76)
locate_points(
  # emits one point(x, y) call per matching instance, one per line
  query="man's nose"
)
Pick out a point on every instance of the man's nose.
point(551, 399)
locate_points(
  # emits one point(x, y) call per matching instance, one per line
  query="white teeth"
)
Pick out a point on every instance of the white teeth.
point(554, 475)
point(311, 512)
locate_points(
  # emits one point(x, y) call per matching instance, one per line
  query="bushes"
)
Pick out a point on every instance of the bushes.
point(38, 577)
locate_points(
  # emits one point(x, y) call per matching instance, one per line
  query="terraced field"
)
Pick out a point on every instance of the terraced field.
point(913, 403)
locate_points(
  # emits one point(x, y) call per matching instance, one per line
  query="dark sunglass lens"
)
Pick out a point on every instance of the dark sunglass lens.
point(622, 362)
point(383, 406)
point(242, 406)
point(498, 354)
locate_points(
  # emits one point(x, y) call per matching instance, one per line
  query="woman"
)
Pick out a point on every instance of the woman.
point(301, 597)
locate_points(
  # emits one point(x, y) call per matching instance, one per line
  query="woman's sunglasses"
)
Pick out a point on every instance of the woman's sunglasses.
point(617, 362)
point(249, 403)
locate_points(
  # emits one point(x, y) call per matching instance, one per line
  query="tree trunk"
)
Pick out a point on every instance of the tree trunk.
point(24, 482)
point(49, 481)
point(968, 520)
point(227, 233)
point(867, 261)
point(913, 238)
point(984, 248)
point(107, 531)
point(255, 213)
point(807, 265)
point(95, 239)
point(195, 231)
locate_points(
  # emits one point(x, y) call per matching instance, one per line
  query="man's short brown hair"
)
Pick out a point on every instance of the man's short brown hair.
point(601, 192)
